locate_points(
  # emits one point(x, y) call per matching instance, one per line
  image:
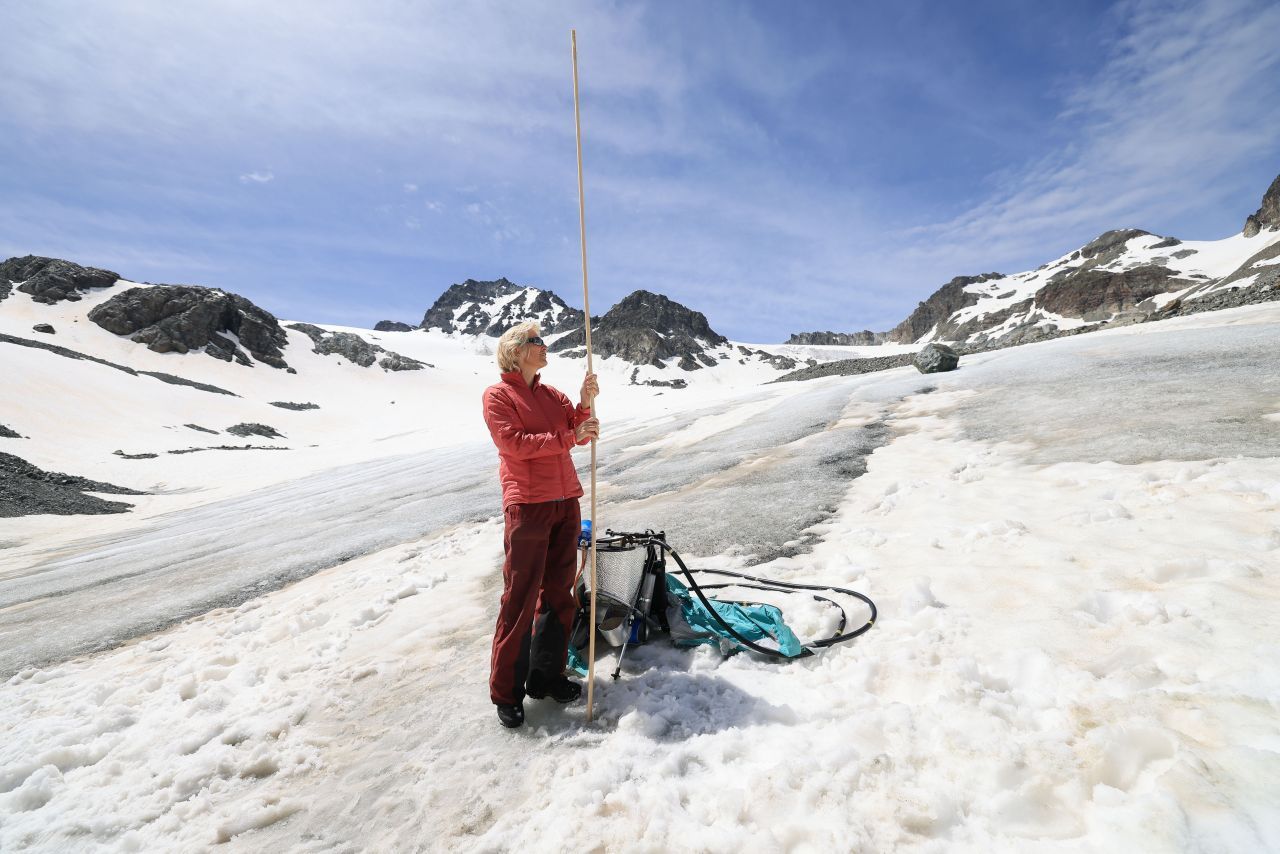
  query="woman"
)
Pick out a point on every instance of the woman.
point(535, 427)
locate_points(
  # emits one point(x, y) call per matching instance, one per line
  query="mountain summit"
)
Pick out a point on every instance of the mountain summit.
point(647, 329)
point(490, 308)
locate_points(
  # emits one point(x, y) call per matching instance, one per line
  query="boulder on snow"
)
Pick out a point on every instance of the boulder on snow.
point(51, 280)
point(43, 327)
point(181, 318)
point(392, 326)
point(935, 359)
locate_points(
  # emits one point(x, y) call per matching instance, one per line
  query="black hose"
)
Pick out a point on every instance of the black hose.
point(808, 648)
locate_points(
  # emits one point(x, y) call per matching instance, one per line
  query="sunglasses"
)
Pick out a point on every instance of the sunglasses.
point(536, 341)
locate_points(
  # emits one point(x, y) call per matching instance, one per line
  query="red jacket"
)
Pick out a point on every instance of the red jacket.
point(533, 428)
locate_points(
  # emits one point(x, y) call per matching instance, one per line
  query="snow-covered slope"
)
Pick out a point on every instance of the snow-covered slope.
point(1072, 546)
point(1121, 276)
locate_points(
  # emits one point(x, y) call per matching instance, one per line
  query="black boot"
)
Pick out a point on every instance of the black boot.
point(511, 716)
point(559, 688)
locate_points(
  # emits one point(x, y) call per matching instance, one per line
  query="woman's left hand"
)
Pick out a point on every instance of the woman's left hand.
point(590, 388)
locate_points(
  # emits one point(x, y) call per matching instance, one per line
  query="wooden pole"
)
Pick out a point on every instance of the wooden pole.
point(586, 310)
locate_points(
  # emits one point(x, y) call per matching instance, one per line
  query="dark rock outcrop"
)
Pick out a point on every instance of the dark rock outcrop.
point(472, 308)
point(6, 433)
point(198, 428)
point(935, 359)
point(296, 407)
point(846, 367)
point(72, 354)
point(26, 490)
point(51, 280)
point(355, 349)
point(181, 318)
point(244, 431)
point(946, 301)
point(646, 329)
point(392, 326)
point(1268, 213)
point(865, 338)
point(1109, 245)
point(1095, 295)
point(45, 328)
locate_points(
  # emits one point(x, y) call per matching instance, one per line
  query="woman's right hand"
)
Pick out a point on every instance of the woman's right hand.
point(589, 429)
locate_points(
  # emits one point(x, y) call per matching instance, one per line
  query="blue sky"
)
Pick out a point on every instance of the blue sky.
point(778, 166)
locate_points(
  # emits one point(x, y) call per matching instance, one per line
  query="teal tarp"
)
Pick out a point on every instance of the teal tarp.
point(756, 623)
point(692, 624)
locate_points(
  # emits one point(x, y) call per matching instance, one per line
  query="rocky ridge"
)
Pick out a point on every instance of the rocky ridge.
point(51, 280)
point(648, 329)
point(491, 308)
point(865, 338)
point(355, 349)
point(182, 318)
point(1268, 213)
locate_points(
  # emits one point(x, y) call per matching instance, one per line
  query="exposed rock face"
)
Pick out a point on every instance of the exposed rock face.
point(244, 431)
point(46, 328)
point(491, 308)
point(50, 280)
point(355, 349)
point(1107, 246)
point(6, 433)
point(349, 346)
point(392, 326)
point(26, 490)
point(1268, 214)
point(945, 302)
point(1095, 295)
point(847, 367)
point(936, 358)
point(296, 407)
point(865, 338)
point(181, 318)
point(646, 328)
point(781, 363)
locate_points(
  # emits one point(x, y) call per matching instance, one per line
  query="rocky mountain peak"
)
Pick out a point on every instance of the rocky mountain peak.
point(1268, 213)
point(476, 307)
point(944, 302)
point(648, 329)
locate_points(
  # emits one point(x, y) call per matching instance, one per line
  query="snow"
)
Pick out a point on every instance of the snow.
point(1073, 546)
point(1207, 260)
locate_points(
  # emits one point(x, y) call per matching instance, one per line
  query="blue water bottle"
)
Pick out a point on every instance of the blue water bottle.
point(584, 539)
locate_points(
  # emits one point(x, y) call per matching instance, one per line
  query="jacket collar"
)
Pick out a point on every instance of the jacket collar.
point(516, 378)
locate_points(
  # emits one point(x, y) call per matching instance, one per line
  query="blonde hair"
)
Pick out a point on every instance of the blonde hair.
point(510, 343)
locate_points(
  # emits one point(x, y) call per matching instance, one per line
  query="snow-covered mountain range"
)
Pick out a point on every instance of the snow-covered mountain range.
point(1122, 276)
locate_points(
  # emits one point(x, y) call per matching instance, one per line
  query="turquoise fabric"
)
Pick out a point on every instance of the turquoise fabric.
point(753, 622)
point(576, 663)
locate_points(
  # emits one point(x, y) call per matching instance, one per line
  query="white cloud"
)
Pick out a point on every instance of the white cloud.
point(411, 188)
point(257, 178)
point(1189, 94)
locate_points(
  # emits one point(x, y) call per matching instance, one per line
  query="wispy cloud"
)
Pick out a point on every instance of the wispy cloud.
point(1187, 101)
point(774, 168)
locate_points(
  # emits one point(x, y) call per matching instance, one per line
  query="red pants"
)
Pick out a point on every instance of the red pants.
point(536, 614)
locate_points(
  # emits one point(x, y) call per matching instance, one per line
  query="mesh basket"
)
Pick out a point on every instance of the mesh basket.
point(619, 571)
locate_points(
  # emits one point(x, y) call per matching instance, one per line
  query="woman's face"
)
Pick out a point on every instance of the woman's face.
point(533, 356)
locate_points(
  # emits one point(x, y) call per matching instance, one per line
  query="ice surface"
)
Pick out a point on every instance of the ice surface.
point(1072, 654)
